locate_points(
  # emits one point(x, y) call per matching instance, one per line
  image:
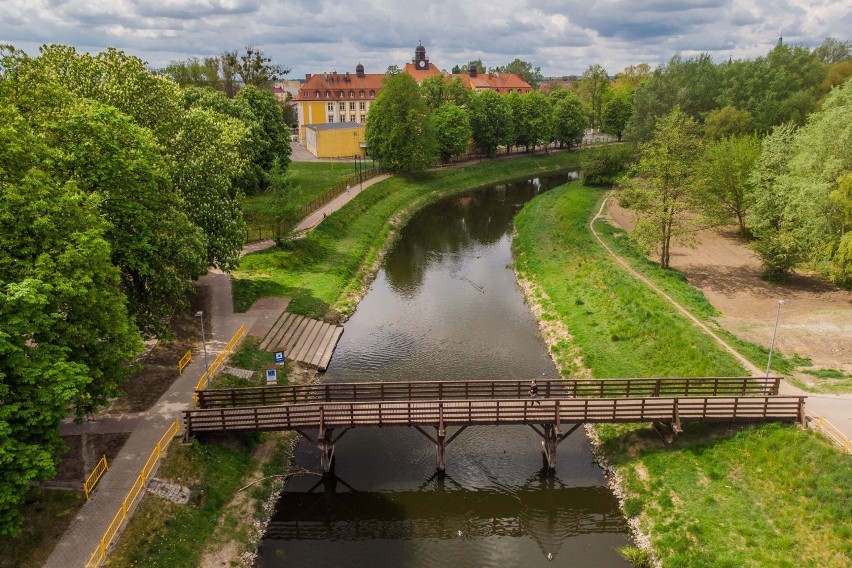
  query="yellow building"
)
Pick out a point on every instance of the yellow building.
point(335, 140)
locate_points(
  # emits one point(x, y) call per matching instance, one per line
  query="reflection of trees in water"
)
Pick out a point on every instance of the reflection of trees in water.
point(453, 225)
point(543, 507)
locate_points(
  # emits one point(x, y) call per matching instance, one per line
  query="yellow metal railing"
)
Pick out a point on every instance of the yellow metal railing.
point(121, 515)
point(184, 361)
point(95, 476)
point(218, 361)
point(830, 431)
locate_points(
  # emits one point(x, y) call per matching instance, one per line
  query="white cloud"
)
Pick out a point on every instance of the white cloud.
point(561, 36)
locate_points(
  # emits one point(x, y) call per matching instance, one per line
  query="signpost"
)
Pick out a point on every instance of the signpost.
point(279, 357)
point(271, 377)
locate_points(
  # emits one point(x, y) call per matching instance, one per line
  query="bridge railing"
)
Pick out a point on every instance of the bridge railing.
point(494, 412)
point(466, 390)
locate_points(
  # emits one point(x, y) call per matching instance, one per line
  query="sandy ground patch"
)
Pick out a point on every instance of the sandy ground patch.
point(816, 318)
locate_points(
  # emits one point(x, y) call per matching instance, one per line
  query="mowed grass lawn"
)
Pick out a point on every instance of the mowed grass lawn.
point(310, 180)
point(324, 272)
point(721, 495)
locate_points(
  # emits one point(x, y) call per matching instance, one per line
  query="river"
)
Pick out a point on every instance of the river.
point(446, 306)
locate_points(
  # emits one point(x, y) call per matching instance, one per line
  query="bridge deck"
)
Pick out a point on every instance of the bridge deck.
point(468, 390)
point(440, 413)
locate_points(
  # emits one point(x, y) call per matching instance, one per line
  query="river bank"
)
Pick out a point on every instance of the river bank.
point(719, 495)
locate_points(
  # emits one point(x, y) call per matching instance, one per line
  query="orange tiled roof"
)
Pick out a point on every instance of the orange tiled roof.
point(420, 74)
point(340, 86)
point(500, 82)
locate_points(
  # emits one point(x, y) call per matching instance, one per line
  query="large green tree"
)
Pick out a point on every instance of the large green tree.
point(439, 90)
point(65, 332)
point(726, 166)
point(616, 114)
point(569, 118)
point(399, 133)
point(491, 121)
point(532, 117)
point(665, 192)
point(592, 89)
point(452, 130)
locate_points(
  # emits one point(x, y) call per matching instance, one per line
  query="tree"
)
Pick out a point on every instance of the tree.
point(461, 69)
point(195, 72)
point(770, 218)
point(727, 121)
point(452, 130)
point(439, 90)
point(491, 121)
point(665, 191)
point(834, 51)
point(604, 164)
point(592, 89)
point(569, 118)
point(616, 114)
point(726, 167)
point(276, 133)
point(65, 333)
point(528, 73)
point(399, 133)
point(532, 117)
point(254, 67)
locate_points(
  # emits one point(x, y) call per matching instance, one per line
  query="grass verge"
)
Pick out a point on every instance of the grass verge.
point(325, 272)
point(771, 495)
point(309, 181)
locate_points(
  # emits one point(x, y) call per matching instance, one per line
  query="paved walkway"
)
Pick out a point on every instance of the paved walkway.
point(92, 520)
point(836, 408)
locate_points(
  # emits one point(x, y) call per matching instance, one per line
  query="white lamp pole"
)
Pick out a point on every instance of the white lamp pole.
point(774, 333)
point(200, 315)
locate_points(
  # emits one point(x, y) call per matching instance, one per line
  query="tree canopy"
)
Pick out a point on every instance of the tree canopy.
point(491, 121)
point(399, 133)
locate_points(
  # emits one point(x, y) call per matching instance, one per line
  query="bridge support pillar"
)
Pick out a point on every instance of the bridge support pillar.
point(440, 446)
point(548, 444)
point(326, 447)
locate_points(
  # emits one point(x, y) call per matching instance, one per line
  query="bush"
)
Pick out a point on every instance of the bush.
point(639, 557)
point(600, 166)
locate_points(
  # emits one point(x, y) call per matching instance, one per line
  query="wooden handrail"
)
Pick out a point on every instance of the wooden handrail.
point(442, 413)
point(449, 390)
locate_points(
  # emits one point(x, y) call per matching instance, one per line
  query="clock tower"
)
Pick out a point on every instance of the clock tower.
point(421, 63)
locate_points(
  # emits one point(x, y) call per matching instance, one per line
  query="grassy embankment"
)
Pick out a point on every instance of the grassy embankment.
point(309, 179)
point(718, 496)
point(324, 273)
point(219, 521)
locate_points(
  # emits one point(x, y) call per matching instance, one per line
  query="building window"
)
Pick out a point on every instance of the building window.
point(340, 94)
point(362, 105)
point(328, 94)
point(352, 106)
point(363, 117)
point(351, 94)
point(372, 93)
point(330, 107)
point(331, 118)
point(342, 106)
point(352, 118)
point(362, 94)
point(316, 93)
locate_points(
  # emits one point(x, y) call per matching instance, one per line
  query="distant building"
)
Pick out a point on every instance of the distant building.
point(335, 140)
point(281, 89)
point(334, 98)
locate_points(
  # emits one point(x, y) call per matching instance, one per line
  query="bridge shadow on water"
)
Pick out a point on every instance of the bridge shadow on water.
point(542, 508)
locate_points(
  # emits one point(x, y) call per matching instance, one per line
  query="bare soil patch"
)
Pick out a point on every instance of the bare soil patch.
point(815, 320)
point(159, 365)
point(83, 454)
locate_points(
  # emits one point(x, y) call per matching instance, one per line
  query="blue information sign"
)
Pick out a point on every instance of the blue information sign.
point(271, 377)
point(279, 357)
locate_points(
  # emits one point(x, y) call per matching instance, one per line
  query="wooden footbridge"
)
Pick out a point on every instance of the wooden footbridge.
point(560, 409)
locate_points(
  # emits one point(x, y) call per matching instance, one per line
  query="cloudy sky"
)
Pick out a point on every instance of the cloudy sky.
point(563, 37)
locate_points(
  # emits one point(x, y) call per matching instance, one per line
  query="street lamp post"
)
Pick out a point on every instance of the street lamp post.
point(200, 315)
point(774, 333)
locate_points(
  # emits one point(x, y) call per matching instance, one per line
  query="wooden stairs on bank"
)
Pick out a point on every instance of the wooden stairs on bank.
point(311, 342)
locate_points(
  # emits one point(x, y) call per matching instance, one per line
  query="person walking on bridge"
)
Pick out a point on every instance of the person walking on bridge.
point(534, 391)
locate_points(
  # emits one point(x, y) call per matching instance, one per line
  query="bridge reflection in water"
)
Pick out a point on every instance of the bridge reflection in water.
point(331, 510)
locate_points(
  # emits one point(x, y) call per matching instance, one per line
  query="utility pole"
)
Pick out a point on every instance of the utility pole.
point(774, 333)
